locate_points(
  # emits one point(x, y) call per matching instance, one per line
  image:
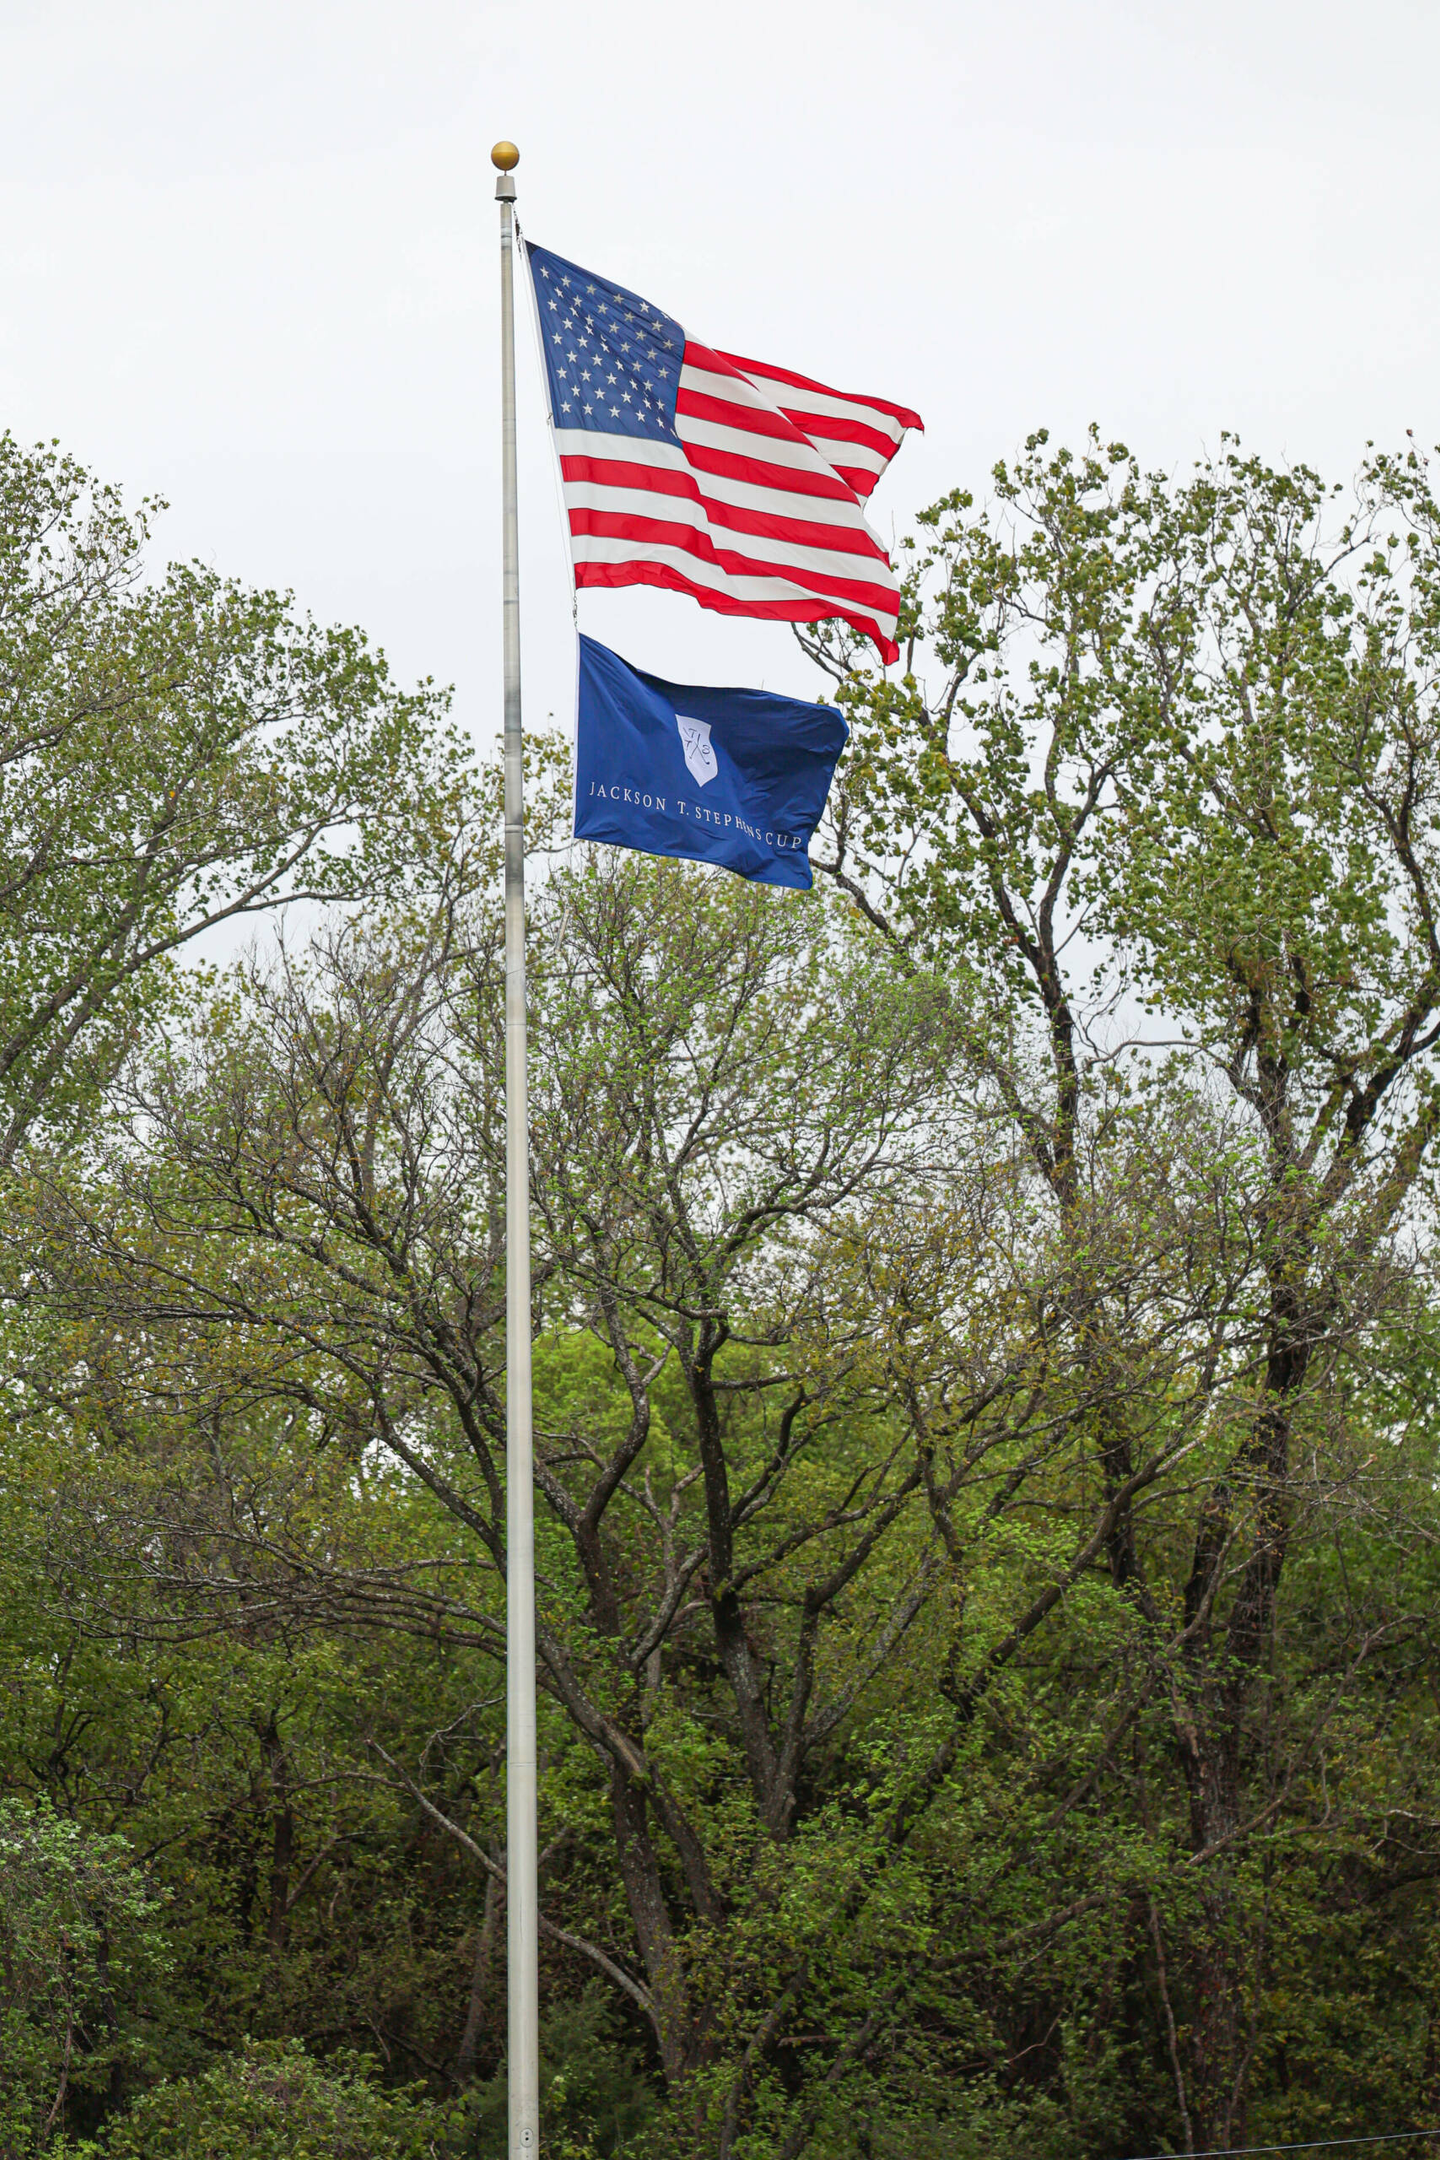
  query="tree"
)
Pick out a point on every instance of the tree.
point(1182, 761)
point(78, 1924)
point(676, 1035)
point(984, 1326)
point(274, 2102)
point(175, 754)
point(805, 1375)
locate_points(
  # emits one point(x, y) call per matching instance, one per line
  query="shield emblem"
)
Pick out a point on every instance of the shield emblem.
point(695, 742)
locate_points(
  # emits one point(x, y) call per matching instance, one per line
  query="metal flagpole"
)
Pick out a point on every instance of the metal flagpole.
point(523, 2052)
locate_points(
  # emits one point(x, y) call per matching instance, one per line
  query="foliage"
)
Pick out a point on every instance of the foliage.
point(272, 2102)
point(985, 1344)
point(79, 1926)
point(1180, 775)
point(176, 754)
point(596, 2098)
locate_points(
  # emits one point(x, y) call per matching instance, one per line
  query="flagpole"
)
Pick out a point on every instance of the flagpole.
point(523, 2049)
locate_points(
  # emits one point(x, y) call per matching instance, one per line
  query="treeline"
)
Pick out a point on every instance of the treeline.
point(985, 1336)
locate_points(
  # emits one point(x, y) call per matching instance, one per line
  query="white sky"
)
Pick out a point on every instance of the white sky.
point(248, 258)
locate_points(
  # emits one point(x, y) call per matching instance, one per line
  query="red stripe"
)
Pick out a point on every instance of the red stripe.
point(801, 532)
point(902, 413)
point(782, 425)
point(647, 573)
point(747, 419)
point(834, 430)
point(871, 609)
point(658, 532)
point(794, 479)
point(727, 464)
point(850, 539)
point(620, 472)
point(863, 482)
point(714, 363)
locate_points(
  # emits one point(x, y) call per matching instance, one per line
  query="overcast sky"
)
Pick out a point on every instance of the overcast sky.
point(248, 258)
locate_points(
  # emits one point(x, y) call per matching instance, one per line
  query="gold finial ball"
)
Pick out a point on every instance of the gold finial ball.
point(505, 156)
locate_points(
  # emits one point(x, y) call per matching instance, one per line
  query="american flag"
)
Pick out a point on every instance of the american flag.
point(736, 482)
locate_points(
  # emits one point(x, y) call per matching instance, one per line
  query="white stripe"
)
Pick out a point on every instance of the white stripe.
point(832, 450)
point(790, 398)
point(590, 547)
point(794, 449)
point(632, 449)
point(858, 456)
point(641, 450)
point(735, 389)
point(829, 510)
point(828, 451)
point(679, 510)
point(843, 449)
point(651, 450)
point(751, 495)
point(836, 510)
point(786, 449)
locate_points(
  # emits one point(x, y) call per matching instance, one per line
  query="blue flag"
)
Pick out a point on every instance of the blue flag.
point(734, 777)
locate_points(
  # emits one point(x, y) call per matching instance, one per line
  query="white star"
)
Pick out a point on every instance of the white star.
point(589, 288)
point(565, 281)
point(624, 348)
point(554, 303)
point(624, 394)
point(589, 408)
point(558, 339)
point(570, 356)
point(615, 412)
point(564, 408)
point(644, 307)
point(610, 378)
point(585, 374)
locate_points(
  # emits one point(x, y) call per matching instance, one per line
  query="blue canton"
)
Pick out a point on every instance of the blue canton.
point(612, 359)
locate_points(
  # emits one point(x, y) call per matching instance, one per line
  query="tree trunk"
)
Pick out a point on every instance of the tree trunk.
point(475, 2016)
point(282, 1838)
point(1225, 1666)
point(644, 1892)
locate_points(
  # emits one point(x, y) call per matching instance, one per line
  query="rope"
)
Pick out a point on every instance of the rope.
point(1232, 2152)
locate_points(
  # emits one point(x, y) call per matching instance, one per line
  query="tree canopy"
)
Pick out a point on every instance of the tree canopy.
point(984, 1325)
